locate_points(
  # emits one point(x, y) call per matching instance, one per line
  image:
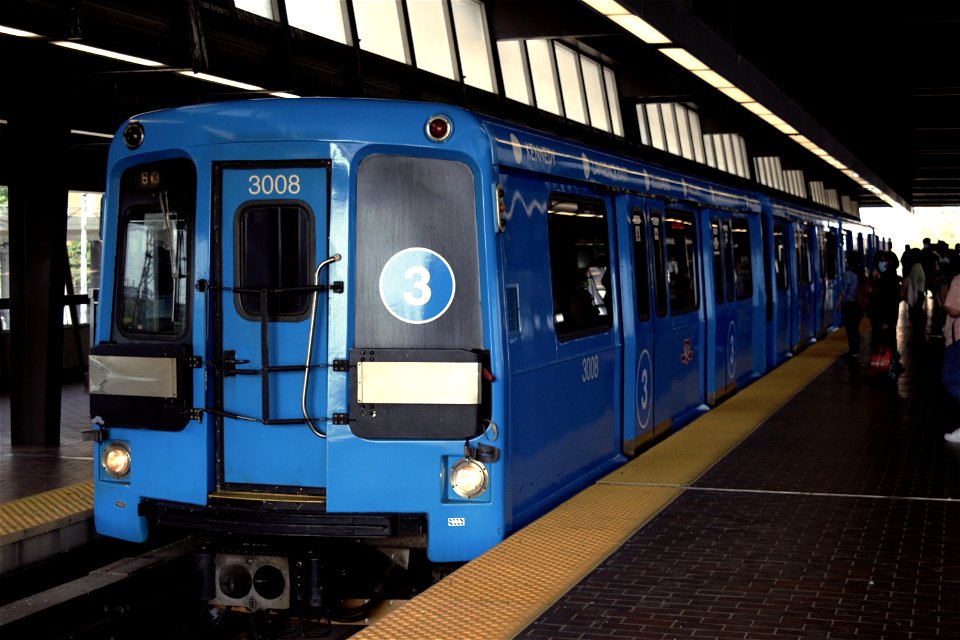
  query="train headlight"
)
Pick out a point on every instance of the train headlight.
point(116, 459)
point(469, 478)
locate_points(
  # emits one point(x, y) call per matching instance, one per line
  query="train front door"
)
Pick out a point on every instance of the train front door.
point(271, 235)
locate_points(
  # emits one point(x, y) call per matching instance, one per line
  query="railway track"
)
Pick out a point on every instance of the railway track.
point(155, 594)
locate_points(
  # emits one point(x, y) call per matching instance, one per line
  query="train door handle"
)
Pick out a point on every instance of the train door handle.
point(230, 363)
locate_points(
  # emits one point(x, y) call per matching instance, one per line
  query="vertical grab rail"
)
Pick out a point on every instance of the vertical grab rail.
point(313, 319)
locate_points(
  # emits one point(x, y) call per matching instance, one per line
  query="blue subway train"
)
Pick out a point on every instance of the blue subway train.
point(414, 326)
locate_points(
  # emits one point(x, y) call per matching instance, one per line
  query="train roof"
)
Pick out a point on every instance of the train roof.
point(508, 145)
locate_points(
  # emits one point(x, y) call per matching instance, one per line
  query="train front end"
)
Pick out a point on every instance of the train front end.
point(298, 334)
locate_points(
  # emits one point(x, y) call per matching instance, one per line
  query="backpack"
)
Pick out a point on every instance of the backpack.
point(864, 290)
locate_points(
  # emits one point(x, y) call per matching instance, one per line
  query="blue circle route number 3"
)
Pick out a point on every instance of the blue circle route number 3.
point(417, 285)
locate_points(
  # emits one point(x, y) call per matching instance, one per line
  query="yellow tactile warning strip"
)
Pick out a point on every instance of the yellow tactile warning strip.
point(501, 592)
point(34, 515)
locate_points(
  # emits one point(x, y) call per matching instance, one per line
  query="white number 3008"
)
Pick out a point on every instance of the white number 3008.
point(591, 368)
point(270, 185)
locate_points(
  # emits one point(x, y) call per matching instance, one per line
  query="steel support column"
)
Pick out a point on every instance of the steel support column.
point(39, 139)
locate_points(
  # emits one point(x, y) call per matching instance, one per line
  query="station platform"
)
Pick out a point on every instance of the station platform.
point(816, 503)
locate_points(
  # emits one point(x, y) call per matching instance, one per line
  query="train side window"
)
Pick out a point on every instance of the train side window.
point(681, 245)
point(579, 267)
point(780, 262)
point(717, 243)
point(660, 275)
point(641, 265)
point(274, 245)
point(830, 255)
point(741, 258)
point(729, 259)
point(802, 244)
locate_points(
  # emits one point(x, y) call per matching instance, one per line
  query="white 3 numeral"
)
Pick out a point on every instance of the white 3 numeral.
point(420, 277)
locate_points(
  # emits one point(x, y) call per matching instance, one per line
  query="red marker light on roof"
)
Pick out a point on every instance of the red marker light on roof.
point(438, 128)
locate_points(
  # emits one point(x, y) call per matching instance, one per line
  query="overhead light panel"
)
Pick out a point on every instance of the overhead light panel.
point(640, 28)
point(774, 119)
point(628, 20)
point(218, 80)
point(10, 31)
point(94, 134)
point(283, 94)
point(712, 78)
point(756, 108)
point(684, 58)
point(106, 53)
point(607, 7)
point(736, 95)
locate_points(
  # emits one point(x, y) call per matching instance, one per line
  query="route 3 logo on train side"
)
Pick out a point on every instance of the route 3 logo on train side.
point(417, 285)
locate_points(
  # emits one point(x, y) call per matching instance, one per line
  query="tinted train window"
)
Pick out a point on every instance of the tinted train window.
point(829, 271)
point(780, 262)
point(274, 243)
point(802, 244)
point(717, 243)
point(730, 262)
point(681, 247)
point(741, 258)
point(641, 265)
point(580, 267)
point(157, 205)
point(659, 275)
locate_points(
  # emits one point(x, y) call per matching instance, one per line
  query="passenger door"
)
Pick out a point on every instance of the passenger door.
point(806, 287)
point(783, 297)
point(738, 311)
point(678, 324)
point(638, 337)
point(271, 232)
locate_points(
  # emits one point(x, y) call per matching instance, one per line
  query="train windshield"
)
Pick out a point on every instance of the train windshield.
point(153, 265)
point(154, 295)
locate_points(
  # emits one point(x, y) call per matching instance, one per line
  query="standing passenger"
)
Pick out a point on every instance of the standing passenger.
point(850, 310)
point(951, 355)
point(884, 309)
point(915, 294)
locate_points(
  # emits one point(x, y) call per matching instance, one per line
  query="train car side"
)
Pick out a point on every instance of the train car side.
point(411, 325)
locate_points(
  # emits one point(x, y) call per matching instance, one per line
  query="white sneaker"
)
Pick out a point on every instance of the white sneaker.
point(953, 436)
